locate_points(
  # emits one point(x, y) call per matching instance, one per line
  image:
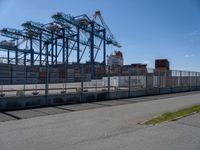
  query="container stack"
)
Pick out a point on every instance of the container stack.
point(5, 74)
point(18, 74)
point(67, 75)
point(42, 74)
point(99, 71)
point(53, 75)
point(70, 74)
point(77, 73)
point(32, 74)
point(162, 65)
point(62, 74)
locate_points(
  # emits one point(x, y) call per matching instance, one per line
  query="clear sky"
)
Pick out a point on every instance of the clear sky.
point(147, 29)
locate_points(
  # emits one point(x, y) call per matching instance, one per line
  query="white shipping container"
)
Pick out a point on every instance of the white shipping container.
point(156, 81)
point(117, 81)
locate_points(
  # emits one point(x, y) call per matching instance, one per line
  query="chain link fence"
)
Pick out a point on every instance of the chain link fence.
point(25, 81)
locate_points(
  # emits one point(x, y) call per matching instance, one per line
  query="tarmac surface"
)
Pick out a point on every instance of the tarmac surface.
point(110, 125)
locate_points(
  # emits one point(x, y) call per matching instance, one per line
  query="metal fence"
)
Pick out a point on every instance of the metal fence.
point(19, 81)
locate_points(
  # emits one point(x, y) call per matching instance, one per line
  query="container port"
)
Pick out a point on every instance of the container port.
point(37, 62)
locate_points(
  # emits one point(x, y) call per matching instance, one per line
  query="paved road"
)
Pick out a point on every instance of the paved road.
point(110, 128)
point(31, 113)
point(181, 135)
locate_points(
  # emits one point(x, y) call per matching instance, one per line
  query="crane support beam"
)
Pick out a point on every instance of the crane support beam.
point(92, 49)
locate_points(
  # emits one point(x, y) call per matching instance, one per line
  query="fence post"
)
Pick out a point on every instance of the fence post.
point(108, 79)
point(170, 81)
point(146, 83)
point(25, 79)
point(66, 76)
point(190, 81)
point(81, 94)
point(159, 75)
point(196, 80)
point(47, 76)
point(129, 82)
point(181, 79)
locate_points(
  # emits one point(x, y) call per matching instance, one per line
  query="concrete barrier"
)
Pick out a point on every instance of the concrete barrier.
point(153, 91)
point(165, 90)
point(10, 103)
point(176, 89)
point(185, 88)
point(137, 93)
point(2, 103)
point(193, 88)
point(118, 94)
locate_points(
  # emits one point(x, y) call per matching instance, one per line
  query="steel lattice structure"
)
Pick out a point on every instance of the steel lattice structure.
point(54, 42)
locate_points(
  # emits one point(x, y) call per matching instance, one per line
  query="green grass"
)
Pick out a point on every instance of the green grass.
point(171, 116)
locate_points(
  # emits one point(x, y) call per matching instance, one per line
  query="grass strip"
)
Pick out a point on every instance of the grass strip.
point(172, 116)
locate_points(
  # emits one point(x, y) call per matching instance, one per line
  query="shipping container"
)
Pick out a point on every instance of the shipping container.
point(5, 67)
point(32, 69)
point(51, 69)
point(42, 69)
point(162, 64)
point(5, 74)
point(54, 80)
point(18, 74)
point(18, 80)
point(123, 81)
point(32, 80)
point(18, 68)
point(4, 81)
point(32, 74)
point(53, 75)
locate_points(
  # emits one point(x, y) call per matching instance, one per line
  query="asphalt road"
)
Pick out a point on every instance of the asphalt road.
point(110, 128)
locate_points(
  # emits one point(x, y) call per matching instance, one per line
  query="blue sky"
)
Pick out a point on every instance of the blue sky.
point(147, 29)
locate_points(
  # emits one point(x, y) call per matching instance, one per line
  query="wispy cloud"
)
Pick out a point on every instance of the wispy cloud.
point(191, 40)
point(146, 62)
point(195, 32)
point(188, 55)
point(194, 36)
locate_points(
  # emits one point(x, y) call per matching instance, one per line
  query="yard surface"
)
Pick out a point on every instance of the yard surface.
point(110, 125)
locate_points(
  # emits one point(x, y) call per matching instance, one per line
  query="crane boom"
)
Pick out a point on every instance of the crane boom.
point(111, 38)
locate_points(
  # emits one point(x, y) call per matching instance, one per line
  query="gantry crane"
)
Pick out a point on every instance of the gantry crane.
point(66, 34)
point(110, 37)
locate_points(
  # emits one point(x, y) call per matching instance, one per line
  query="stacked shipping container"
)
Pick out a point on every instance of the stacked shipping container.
point(32, 74)
point(18, 74)
point(5, 74)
